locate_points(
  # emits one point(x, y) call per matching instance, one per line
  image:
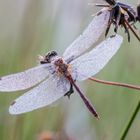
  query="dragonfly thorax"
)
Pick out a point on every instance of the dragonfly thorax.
point(61, 67)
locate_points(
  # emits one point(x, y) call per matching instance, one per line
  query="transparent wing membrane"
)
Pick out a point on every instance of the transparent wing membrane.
point(92, 62)
point(23, 80)
point(44, 94)
point(88, 37)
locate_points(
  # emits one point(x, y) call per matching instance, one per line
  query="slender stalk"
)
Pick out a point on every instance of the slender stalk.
point(98, 4)
point(131, 28)
point(130, 122)
point(136, 87)
point(102, 5)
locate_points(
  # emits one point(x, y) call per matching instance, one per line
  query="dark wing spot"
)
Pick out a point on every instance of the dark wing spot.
point(13, 103)
point(0, 78)
point(99, 13)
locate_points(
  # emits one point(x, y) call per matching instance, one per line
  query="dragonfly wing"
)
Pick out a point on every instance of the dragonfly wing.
point(90, 35)
point(44, 94)
point(92, 62)
point(23, 80)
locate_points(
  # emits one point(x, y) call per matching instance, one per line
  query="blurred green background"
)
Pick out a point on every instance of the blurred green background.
point(32, 27)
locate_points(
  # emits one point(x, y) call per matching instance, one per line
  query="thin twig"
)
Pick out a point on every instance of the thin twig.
point(130, 122)
point(131, 28)
point(136, 87)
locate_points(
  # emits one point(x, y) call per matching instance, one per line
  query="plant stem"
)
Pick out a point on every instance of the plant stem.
point(130, 122)
point(136, 87)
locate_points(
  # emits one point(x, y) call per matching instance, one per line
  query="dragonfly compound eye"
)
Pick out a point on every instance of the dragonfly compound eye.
point(53, 53)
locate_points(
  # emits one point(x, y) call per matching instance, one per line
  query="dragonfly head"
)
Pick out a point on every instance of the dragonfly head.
point(48, 57)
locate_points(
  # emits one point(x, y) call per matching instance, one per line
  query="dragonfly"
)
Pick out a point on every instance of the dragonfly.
point(122, 14)
point(56, 76)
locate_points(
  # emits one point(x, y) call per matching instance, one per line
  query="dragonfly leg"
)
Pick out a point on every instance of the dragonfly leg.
point(70, 91)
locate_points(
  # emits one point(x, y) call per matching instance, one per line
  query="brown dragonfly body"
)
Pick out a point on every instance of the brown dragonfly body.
point(63, 69)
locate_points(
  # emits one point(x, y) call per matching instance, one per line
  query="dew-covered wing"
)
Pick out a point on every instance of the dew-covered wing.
point(92, 62)
point(90, 35)
point(23, 80)
point(44, 94)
